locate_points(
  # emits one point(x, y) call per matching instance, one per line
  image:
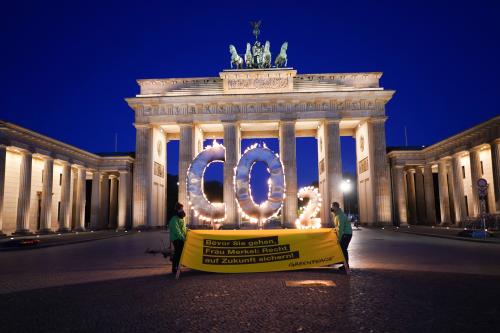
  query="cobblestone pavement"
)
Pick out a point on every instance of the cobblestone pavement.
point(400, 283)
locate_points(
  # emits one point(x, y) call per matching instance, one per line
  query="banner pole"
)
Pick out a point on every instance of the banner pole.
point(178, 274)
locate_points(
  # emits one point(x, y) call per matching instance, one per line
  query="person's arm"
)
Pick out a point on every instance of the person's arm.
point(183, 229)
point(336, 225)
point(341, 222)
point(174, 229)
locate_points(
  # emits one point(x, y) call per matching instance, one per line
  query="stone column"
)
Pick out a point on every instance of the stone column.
point(380, 172)
point(113, 203)
point(24, 199)
point(124, 202)
point(419, 194)
point(330, 168)
point(399, 195)
point(46, 209)
point(430, 209)
point(3, 159)
point(444, 199)
point(475, 173)
point(231, 142)
point(412, 202)
point(458, 189)
point(95, 200)
point(81, 199)
point(495, 163)
point(65, 210)
point(143, 173)
point(288, 158)
point(185, 157)
point(104, 202)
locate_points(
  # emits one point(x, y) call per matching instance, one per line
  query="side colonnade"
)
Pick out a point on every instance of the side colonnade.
point(438, 184)
point(44, 185)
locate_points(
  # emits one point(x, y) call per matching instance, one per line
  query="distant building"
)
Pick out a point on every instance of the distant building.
point(438, 184)
point(44, 185)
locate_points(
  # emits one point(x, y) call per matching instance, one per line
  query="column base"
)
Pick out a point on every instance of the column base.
point(45, 232)
point(79, 229)
point(2, 235)
point(23, 232)
point(63, 230)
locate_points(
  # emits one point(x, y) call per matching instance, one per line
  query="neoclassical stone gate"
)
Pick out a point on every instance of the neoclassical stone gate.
point(263, 103)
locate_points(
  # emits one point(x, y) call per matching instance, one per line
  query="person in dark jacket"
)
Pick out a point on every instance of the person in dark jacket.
point(178, 232)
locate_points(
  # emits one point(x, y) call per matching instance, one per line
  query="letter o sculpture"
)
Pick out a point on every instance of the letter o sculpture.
point(204, 209)
point(276, 183)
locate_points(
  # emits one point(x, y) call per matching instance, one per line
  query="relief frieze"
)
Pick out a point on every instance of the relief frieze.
point(268, 107)
point(258, 83)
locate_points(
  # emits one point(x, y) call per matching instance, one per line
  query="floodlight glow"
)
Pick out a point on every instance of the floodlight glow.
point(345, 186)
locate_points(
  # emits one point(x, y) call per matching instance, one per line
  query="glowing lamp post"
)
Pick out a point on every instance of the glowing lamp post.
point(346, 187)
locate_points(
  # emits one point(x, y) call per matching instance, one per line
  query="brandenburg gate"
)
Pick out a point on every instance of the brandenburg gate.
point(263, 103)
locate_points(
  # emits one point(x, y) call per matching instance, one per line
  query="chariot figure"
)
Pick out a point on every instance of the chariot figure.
point(257, 55)
point(236, 60)
point(281, 60)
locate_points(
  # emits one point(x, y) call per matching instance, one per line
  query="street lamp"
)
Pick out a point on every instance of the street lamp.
point(346, 187)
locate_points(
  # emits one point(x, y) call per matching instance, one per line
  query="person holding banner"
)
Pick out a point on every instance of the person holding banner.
point(178, 231)
point(344, 229)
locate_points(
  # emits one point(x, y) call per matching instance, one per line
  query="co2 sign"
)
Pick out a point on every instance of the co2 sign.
point(213, 212)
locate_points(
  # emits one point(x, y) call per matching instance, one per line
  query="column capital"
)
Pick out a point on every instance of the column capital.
point(377, 119)
point(411, 169)
point(78, 166)
point(331, 121)
point(137, 126)
point(185, 124)
point(227, 122)
point(477, 148)
point(460, 153)
point(444, 159)
point(495, 142)
point(21, 151)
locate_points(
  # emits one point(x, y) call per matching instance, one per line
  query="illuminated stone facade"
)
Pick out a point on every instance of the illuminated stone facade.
point(263, 103)
point(44, 182)
point(449, 170)
point(43, 185)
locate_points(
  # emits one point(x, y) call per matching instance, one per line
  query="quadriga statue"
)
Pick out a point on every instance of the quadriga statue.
point(281, 59)
point(248, 56)
point(266, 56)
point(236, 60)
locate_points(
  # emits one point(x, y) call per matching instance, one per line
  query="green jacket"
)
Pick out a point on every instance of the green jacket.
point(342, 224)
point(177, 228)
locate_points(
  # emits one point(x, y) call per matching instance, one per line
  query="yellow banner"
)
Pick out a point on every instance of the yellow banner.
point(238, 251)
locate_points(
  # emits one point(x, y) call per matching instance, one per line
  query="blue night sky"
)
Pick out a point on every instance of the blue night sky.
point(67, 67)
